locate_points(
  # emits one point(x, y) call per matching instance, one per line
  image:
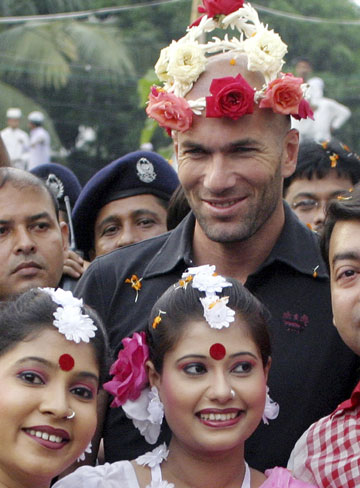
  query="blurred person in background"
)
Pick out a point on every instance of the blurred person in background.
point(16, 140)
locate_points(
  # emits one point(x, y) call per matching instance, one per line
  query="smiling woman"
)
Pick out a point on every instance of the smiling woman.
point(203, 363)
point(52, 360)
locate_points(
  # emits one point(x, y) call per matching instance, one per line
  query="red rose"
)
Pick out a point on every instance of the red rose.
point(220, 7)
point(284, 95)
point(170, 111)
point(217, 7)
point(130, 376)
point(232, 97)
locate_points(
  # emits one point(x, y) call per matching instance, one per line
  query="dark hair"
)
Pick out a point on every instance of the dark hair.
point(178, 208)
point(21, 179)
point(32, 312)
point(182, 304)
point(344, 208)
point(316, 160)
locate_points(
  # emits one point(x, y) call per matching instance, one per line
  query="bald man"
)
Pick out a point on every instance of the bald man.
point(232, 160)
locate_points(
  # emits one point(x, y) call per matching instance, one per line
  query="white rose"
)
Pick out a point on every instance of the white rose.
point(265, 51)
point(186, 61)
point(161, 67)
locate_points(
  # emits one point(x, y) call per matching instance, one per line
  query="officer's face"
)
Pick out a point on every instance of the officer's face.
point(128, 220)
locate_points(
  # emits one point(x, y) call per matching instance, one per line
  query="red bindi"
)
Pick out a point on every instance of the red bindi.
point(66, 362)
point(217, 351)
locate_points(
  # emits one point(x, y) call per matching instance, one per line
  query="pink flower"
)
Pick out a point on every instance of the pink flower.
point(129, 372)
point(232, 97)
point(282, 477)
point(305, 111)
point(211, 8)
point(170, 111)
point(284, 95)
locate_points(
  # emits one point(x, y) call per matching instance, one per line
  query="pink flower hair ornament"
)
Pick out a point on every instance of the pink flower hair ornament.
point(129, 372)
point(181, 63)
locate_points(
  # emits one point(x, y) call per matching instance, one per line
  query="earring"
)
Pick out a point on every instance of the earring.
point(271, 410)
point(88, 450)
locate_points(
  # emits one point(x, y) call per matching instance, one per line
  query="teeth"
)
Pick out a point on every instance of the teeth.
point(223, 205)
point(45, 436)
point(218, 416)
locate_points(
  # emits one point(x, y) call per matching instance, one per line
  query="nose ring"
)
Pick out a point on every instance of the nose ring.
point(232, 393)
point(71, 416)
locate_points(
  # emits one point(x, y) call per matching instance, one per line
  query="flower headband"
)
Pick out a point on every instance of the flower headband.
point(182, 62)
point(69, 318)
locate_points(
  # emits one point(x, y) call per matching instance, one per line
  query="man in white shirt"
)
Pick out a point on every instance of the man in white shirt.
point(39, 141)
point(16, 140)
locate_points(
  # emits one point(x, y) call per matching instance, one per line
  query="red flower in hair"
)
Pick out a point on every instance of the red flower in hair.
point(231, 97)
point(211, 8)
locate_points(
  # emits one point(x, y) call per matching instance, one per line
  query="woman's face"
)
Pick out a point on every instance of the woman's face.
point(196, 387)
point(37, 441)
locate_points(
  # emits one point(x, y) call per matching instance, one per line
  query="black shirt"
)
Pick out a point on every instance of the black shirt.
point(312, 370)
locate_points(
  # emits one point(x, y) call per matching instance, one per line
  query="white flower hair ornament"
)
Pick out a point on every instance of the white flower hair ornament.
point(183, 61)
point(205, 279)
point(69, 318)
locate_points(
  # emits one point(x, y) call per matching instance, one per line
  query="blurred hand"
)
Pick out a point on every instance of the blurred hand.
point(74, 265)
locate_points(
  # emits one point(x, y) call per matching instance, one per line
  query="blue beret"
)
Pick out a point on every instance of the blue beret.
point(136, 173)
point(61, 180)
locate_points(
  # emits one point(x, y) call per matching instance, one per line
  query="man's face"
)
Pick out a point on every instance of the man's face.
point(344, 260)
point(232, 171)
point(14, 123)
point(303, 69)
point(32, 242)
point(309, 198)
point(128, 220)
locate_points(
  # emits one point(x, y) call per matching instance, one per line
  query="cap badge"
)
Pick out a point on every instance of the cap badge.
point(145, 170)
point(55, 185)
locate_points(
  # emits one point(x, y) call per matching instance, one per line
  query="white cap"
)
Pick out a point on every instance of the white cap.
point(36, 117)
point(13, 113)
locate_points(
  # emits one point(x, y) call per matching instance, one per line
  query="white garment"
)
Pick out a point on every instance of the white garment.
point(17, 144)
point(39, 147)
point(122, 474)
point(329, 115)
point(316, 89)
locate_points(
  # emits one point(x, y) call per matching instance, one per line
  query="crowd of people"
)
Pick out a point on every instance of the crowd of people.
point(188, 328)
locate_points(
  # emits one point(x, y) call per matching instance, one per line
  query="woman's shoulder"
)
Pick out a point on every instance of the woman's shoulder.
point(108, 475)
point(280, 477)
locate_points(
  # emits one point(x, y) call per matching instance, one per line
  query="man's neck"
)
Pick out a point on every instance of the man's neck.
point(241, 258)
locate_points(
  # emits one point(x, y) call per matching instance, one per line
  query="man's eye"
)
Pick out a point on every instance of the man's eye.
point(146, 222)
point(112, 229)
point(3, 230)
point(195, 369)
point(41, 225)
point(305, 204)
point(31, 378)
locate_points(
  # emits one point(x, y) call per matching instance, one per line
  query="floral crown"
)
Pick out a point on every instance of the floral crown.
point(69, 318)
point(182, 62)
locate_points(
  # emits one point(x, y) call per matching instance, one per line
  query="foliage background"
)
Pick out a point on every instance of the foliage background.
point(87, 71)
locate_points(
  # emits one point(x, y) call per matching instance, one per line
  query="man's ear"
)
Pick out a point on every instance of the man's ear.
point(65, 235)
point(290, 153)
point(153, 375)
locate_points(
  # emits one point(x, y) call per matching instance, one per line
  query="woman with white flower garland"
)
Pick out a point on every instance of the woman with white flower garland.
point(53, 357)
point(203, 363)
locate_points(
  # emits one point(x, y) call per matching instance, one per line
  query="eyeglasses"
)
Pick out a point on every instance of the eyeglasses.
point(309, 204)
